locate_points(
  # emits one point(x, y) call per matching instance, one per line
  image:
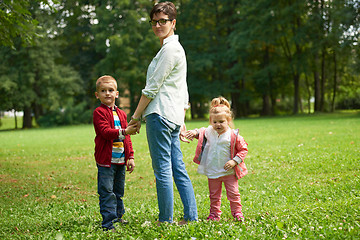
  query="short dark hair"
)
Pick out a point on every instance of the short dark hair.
point(168, 8)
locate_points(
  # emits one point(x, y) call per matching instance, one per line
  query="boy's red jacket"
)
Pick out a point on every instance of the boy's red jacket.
point(105, 134)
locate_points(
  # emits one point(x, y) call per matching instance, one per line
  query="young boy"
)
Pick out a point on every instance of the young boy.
point(113, 151)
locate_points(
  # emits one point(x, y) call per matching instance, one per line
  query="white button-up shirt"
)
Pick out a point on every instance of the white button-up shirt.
point(216, 153)
point(166, 82)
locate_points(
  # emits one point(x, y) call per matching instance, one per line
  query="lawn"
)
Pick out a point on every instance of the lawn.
point(303, 183)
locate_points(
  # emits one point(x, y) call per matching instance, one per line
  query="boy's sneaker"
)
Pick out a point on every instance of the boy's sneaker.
point(122, 221)
point(239, 217)
point(213, 217)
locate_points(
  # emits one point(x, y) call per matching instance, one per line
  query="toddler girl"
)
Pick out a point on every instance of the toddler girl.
point(220, 153)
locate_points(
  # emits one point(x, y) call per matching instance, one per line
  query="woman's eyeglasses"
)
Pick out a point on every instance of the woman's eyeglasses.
point(161, 22)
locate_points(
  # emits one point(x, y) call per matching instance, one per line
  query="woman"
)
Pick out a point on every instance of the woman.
point(163, 103)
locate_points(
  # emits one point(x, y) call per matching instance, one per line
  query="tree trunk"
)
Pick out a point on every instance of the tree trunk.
point(322, 86)
point(16, 122)
point(301, 105)
point(240, 105)
point(273, 105)
point(198, 110)
point(308, 93)
point(317, 94)
point(266, 109)
point(296, 93)
point(334, 85)
point(235, 99)
point(27, 121)
point(37, 111)
point(266, 106)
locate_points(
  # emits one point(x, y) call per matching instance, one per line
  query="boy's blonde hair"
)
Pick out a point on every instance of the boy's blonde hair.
point(220, 105)
point(103, 79)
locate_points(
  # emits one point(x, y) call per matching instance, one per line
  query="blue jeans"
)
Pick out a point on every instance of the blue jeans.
point(167, 163)
point(111, 184)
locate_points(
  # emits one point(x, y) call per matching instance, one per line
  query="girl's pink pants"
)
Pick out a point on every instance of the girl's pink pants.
point(232, 192)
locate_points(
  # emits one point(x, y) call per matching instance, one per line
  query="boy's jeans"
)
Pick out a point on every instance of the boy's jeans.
point(111, 183)
point(164, 145)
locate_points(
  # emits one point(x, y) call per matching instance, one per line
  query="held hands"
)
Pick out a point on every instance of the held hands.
point(131, 129)
point(191, 134)
point(182, 133)
point(136, 123)
point(230, 164)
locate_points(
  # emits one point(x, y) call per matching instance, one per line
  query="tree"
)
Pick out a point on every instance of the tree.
point(332, 35)
point(124, 36)
point(75, 21)
point(204, 27)
point(17, 21)
point(256, 50)
point(37, 82)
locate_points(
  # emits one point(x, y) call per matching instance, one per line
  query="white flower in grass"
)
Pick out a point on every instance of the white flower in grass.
point(146, 224)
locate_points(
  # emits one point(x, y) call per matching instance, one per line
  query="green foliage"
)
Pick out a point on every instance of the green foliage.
point(350, 101)
point(125, 38)
point(251, 51)
point(267, 57)
point(69, 115)
point(303, 185)
point(15, 21)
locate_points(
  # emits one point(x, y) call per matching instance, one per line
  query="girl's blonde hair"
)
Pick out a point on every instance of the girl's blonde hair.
point(220, 105)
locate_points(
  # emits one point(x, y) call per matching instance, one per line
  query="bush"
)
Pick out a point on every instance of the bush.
point(351, 101)
point(71, 115)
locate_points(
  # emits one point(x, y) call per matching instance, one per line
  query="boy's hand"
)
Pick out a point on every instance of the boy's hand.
point(230, 164)
point(131, 129)
point(191, 134)
point(182, 133)
point(130, 165)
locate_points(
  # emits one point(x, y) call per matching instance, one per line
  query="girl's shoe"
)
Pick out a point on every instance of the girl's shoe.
point(239, 217)
point(212, 217)
point(182, 222)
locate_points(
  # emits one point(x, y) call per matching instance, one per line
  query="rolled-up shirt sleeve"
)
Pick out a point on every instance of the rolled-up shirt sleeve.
point(164, 63)
point(166, 82)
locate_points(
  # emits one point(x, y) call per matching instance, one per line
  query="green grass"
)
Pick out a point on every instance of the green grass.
point(303, 183)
